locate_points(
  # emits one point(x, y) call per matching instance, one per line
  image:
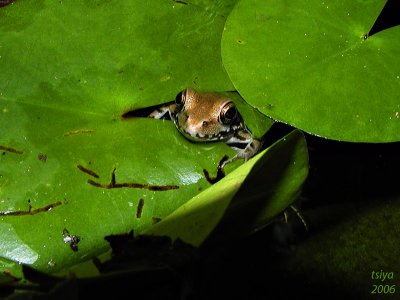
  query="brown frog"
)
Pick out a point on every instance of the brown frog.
point(207, 117)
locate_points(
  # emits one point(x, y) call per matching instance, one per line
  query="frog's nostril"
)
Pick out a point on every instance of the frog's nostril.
point(205, 123)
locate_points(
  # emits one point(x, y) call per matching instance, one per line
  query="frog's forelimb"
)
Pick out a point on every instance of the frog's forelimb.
point(245, 145)
point(162, 112)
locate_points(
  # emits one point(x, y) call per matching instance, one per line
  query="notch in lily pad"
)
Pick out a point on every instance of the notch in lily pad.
point(389, 17)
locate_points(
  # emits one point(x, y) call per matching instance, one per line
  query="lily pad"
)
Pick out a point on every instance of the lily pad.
point(110, 54)
point(309, 65)
point(71, 169)
point(74, 189)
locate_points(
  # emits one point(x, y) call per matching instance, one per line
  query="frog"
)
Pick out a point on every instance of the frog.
point(210, 117)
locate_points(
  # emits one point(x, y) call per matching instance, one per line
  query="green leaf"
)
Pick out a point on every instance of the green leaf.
point(307, 63)
point(110, 55)
point(87, 210)
point(69, 70)
point(249, 197)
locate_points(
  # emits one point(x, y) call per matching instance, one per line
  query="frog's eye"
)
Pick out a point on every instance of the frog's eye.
point(228, 113)
point(180, 99)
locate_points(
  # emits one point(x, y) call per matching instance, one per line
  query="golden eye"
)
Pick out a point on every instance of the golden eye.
point(180, 99)
point(228, 113)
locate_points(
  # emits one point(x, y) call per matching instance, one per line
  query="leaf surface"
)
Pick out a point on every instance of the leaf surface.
point(307, 63)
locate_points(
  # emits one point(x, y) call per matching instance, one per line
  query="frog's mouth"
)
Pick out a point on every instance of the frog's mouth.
point(200, 137)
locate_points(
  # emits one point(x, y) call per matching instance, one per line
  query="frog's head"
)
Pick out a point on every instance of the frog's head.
point(204, 117)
